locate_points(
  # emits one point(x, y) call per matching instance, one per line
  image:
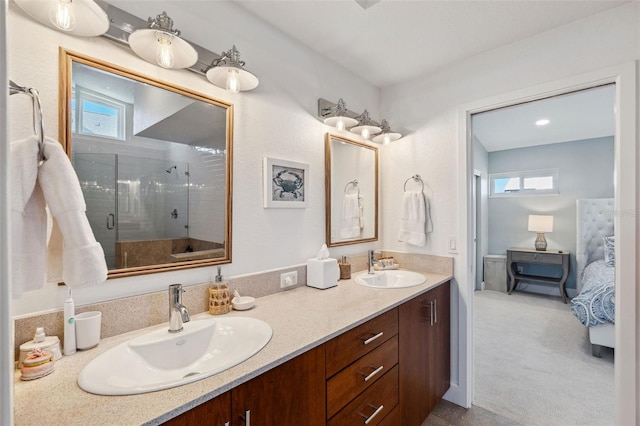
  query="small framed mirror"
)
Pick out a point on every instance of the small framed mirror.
point(351, 191)
point(154, 163)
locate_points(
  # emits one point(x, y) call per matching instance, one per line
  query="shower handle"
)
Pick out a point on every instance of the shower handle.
point(111, 221)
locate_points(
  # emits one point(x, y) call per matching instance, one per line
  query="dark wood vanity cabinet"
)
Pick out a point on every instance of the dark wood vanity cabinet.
point(290, 394)
point(425, 354)
point(389, 371)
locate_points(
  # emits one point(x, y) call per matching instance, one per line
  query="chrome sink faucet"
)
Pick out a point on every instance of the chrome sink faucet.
point(178, 313)
point(371, 261)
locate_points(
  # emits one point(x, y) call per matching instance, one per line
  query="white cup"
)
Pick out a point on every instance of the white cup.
point(88, 325)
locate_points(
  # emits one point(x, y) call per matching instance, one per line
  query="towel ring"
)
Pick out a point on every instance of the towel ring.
point(354, 183)
point(417, 178)
point(38, 120)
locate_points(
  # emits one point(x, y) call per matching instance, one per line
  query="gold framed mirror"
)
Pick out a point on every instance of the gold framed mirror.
point(351, 185)
point(154, 162)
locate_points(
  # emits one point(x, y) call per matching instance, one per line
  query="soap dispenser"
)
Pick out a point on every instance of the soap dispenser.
point(219, 298)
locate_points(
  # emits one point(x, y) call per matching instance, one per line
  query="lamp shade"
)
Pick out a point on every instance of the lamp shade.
point(540, 223)
point(81, 17)
point(145, 44)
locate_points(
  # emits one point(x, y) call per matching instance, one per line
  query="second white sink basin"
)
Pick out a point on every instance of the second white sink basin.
point(391, 279)
point(160, 360)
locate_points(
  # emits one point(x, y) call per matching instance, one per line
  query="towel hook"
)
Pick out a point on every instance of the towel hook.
point(417, 178)
point(354, 183)
point(38, 119)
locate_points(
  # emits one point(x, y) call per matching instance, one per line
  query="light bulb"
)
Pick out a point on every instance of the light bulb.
point(340, 124)
point(365, 133)
point(164, 50)
point(61, 15)
point(386, 140)
point(233, 83)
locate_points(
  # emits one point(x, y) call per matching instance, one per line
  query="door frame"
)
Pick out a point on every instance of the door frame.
point(626, 223)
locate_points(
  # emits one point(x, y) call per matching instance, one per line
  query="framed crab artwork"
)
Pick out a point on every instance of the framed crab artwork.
point(285, 184)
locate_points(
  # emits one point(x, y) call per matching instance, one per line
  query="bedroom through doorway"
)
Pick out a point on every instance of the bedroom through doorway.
point(540, 160)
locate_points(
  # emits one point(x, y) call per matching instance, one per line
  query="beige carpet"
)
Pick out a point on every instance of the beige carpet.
point(533, 363)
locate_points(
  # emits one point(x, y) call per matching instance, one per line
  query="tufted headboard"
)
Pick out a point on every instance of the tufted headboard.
point(594, 219)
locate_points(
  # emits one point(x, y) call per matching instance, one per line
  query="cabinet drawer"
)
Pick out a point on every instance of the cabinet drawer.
point(360, 375)
point(373, 404)
point(351, 345)
point(546, 258)
point(392, 419)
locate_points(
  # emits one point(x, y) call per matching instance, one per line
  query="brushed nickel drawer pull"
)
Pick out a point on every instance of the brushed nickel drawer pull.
point(435, 310)
point(246, 417)
point(227, 423)
point(371, 339)
point(373, 373)
point(375, 413)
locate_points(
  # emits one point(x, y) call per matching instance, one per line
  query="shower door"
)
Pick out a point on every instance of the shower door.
point(97, 174)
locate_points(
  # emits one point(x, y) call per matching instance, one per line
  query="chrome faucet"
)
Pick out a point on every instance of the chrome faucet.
point(371, 261)
point(178, 313)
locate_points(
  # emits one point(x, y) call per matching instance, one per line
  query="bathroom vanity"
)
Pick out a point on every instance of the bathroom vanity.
point(337, 356)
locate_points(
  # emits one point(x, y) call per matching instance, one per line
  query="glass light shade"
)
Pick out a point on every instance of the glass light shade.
point(340, 122)
point(365, 130)
point(540, 223)
point(78, 17)
point(164, 50)
point(62, 15)
point(145, 44)
point(386, 138)
point(232, 78)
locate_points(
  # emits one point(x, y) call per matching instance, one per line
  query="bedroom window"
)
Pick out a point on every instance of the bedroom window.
point(532, 182)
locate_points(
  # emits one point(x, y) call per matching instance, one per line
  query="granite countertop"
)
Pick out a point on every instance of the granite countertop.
point(57, 399)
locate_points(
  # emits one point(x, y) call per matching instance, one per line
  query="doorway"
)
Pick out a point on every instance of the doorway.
point(624, 76)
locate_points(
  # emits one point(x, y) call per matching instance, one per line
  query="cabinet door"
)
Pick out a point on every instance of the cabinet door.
point(424, 353)
point(414, 329)
point(216, 412)
point(440, 353)
point(290, 394)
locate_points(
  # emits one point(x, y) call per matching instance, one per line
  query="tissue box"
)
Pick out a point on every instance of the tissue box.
point(322, 273)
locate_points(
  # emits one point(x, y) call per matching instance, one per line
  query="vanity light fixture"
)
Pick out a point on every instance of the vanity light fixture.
point(228, 72)
point(365, 127)
point(78, 17)
point(161, 44)
point(337, 115)
point(386, 135)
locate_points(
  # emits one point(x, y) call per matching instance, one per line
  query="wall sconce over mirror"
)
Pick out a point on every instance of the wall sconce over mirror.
point(78, 17)
point(154, 40)
point(161, 44)
point(338, 116)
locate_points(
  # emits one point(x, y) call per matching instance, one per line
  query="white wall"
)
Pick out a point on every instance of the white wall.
point(585, 170)
point(278, 119)
point(428, 108)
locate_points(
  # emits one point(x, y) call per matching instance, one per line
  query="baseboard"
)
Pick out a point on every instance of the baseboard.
point(456, 396)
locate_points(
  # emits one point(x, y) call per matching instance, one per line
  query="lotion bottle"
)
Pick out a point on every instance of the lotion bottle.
point(69, 326)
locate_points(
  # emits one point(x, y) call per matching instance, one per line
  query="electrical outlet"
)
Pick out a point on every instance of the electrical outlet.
point(520, 269)
point(288, 279)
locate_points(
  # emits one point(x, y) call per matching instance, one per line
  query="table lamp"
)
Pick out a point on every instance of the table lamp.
point(540, 224)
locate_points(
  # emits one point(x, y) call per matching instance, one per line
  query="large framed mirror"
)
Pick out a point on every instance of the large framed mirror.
point(154, 163)
point(351, 191)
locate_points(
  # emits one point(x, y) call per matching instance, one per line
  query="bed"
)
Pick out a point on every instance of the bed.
point(594, 305)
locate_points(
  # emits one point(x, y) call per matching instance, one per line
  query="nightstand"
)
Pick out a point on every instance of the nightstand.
point(517, 256)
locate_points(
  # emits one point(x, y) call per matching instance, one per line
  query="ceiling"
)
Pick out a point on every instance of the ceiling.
point(575, 116)
point(397, 40)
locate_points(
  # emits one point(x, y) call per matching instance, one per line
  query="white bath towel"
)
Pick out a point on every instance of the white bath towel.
point(74, 256)
point(28, 218)
point(414, 219)
point(352, 217)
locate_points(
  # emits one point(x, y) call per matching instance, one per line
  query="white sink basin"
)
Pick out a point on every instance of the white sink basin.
point(391, 279)
point(160, 360)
